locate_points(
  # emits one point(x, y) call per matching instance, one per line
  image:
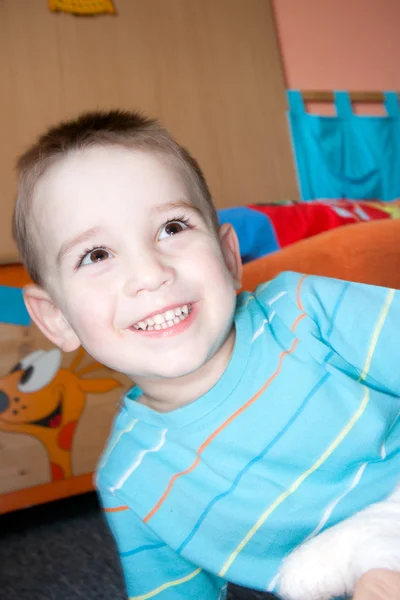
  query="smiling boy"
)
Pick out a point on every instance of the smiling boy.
point(255, 422)
point(107, 290)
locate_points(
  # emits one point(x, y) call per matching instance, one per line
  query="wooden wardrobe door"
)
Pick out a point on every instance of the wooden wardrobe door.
point(209, 69)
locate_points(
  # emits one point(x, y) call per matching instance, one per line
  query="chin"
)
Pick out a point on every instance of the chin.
point(177, 367)
point(177, 372)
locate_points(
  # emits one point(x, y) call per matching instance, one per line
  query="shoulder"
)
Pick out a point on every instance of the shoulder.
point(307, 291)
point(286, 284)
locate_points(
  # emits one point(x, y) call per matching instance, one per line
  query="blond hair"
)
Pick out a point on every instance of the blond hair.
point(112, 128)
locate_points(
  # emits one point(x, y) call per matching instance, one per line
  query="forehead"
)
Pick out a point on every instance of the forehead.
point(97, 171)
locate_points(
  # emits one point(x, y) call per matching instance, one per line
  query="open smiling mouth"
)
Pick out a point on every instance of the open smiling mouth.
point(52, 420)
point(164, 320)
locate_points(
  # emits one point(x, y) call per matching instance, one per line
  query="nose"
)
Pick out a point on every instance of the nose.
point(149, 272)
point(4, 402)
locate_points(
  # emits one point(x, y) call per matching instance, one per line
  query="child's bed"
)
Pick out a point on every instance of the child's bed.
point(56, 409)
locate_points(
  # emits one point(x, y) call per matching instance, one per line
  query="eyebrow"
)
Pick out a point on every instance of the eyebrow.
point(178, 204)
point(67, 246)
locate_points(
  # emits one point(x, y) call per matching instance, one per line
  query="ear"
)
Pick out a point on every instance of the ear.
point(231, 251)
point(49, 318)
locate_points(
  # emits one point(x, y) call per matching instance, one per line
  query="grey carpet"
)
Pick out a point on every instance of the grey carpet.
point(63, 551)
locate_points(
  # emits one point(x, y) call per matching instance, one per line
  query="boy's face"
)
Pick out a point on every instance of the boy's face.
point(134, 272)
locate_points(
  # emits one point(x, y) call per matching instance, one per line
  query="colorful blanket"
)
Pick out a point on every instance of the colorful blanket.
point(266, 228)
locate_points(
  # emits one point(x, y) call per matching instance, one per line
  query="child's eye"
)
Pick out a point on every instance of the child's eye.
point(94, 255)
point(172, 228)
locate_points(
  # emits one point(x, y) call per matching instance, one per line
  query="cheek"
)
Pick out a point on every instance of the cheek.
point(205, 258)
point(216, 274)
point(218, 286)
point(87, 307)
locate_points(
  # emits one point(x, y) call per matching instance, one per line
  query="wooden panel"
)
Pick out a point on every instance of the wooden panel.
point(209, 69)
point(32, 456)
point(329, 96)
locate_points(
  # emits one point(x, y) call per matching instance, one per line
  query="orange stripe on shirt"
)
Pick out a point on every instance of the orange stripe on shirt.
point(297, 321)
point(116, 509)
point(299, 286)
point(208, 441)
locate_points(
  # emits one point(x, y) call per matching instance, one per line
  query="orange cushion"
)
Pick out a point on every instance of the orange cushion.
point(14, 276)
point(365, 252)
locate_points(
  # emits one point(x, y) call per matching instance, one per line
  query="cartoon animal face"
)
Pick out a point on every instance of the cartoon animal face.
point(20, 401)
point(41, 399)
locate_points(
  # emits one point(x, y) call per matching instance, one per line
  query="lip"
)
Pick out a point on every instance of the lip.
point(170, 331)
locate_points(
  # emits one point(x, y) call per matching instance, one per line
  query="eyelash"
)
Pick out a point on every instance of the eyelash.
point(88, 251)
point(181, 219)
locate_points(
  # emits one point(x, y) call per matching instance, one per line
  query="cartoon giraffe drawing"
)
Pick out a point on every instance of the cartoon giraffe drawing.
point(40, 399)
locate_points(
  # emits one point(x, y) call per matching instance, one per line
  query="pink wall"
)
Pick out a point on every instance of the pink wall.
point(340, 44)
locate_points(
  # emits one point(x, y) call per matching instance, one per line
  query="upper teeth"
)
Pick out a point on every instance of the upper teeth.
point(166, 319)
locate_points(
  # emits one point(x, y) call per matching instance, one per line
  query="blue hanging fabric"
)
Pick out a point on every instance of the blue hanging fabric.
point(346, 156)
point(391, 101)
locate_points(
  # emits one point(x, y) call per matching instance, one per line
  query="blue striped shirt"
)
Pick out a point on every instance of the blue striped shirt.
point(301, 432)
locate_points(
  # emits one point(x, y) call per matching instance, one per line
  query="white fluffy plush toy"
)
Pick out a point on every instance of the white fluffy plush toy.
point(329, 565)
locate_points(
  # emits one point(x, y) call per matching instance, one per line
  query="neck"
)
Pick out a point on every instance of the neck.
point(166, 395)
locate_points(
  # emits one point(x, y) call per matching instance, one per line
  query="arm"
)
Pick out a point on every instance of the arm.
point(358, 322)
point(353, 327)
point(152, 569)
